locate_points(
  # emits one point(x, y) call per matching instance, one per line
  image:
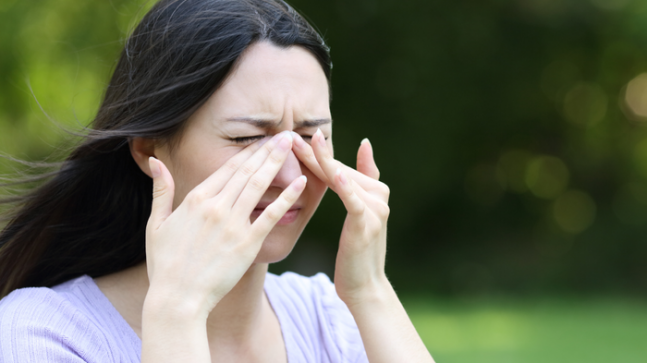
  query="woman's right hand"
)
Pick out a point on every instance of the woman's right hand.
point(198, 252)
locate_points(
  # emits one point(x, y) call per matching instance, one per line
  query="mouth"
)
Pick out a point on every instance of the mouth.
point(289, 217)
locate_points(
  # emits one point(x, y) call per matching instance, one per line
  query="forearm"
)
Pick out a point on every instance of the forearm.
point(387, 332)
point(173, 335)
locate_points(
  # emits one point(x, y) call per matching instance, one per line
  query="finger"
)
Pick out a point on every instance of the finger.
point(304, 153)
point(275, 211)
point(365, 161)
point(344, 188)
point(217, 180)
point(255, 175)
point(327, 163)
point(163, 192)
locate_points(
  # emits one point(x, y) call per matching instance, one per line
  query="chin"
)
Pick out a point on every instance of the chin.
point(277, 246)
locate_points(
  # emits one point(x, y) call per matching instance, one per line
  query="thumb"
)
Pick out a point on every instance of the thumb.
point(365, 161)
point(163, 192)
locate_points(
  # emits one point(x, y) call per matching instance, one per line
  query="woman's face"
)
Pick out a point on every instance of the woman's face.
point(272, 89)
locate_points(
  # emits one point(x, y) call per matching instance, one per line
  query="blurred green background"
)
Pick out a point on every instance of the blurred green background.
point(513, 135)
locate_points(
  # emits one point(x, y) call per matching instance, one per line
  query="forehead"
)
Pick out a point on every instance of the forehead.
point(274, 82)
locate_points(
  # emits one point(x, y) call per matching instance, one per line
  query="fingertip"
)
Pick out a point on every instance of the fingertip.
point(341, 176)
point(296, 140)
point(154, 166)
point(321, 140)
point(301, 182)
point(365, 147)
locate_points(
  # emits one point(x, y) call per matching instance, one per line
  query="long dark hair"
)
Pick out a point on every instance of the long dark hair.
point(89, 216)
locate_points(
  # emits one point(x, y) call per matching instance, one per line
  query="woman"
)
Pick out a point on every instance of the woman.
point(221, 107)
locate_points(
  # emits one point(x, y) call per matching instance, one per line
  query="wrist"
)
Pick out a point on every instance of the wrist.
point(378, 292)
point(173, 307)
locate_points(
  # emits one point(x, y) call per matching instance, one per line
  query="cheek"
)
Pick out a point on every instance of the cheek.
point(191, 169)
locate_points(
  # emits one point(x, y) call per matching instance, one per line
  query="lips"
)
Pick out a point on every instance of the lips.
point(289, 217)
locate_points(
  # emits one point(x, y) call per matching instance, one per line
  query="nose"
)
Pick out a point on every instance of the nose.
point(290, 170)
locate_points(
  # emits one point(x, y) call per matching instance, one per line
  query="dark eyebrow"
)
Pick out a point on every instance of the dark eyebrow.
point(260, 123)
point(266, 124)
point(312, 123)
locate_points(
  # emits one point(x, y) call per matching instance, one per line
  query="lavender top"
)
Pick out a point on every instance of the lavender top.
point(75, 322)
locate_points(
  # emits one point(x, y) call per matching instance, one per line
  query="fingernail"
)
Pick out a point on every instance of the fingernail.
point(303, 181)
point(276, 139)
point(342, 176)
point(322, 140)
point(296, 139)
point(286, 141)
point(365, 141)
point(154, 166)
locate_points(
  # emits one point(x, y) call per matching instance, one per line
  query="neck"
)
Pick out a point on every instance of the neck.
point(238, 316)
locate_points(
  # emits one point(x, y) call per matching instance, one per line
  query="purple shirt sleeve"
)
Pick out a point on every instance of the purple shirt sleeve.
point(38, 325)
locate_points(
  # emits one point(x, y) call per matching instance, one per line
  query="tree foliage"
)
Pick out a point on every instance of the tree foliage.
point(511, 132)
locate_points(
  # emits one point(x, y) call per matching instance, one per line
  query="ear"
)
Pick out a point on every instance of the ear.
point(142, 149)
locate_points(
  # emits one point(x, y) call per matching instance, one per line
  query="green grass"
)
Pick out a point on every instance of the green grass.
point(532, 331)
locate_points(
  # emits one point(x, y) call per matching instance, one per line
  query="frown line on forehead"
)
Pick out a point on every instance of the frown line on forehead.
point(268, 124)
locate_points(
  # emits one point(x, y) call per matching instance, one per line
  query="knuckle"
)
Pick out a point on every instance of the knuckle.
point(267, 148)
point(159, 191)
point(256, 183)
point(228, 233)
point(196, 196)
point(231, 166)
point(383, 210)
point(373, 233)
point(276, 158)
point(358, 208)
point(385, 190)
point(246, 170)
point(289, 198)
point(272, 214)
point(214, 213)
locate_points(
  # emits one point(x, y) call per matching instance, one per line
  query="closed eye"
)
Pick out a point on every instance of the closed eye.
point(250, 139)
point(246, 139)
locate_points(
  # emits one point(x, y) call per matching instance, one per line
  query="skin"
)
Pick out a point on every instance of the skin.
point(223, 210)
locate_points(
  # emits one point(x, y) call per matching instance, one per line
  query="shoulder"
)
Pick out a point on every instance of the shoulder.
point(43, 324)
point(311, 306)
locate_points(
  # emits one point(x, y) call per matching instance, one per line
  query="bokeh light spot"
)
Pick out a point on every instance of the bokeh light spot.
point(546, 176)
point(636, 96)
point(585, 104)
point(574, 211)
point(511, 170)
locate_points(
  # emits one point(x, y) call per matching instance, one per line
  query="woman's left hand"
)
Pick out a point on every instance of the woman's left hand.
point(359, 270)
point(387, 332)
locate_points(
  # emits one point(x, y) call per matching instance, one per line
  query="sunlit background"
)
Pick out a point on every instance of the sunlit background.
point(513, 135)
